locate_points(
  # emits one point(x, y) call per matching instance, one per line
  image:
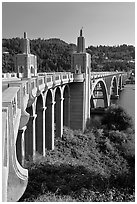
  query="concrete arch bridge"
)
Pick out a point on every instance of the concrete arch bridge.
point(35, 110)
point(36, 106)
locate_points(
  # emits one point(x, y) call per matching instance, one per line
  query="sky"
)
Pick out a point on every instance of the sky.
point(104, 23)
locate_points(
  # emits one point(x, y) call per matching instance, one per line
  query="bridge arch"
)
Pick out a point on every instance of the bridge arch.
point(39, 125)
point(66, 105)
point(99, 92)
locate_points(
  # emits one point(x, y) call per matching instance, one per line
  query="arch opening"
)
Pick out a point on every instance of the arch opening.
point(57, 113)
point(99, 97)
point(120, 83)
point(48, 121)
point(113, 91)
point(29, 133)
point(66, 107)
point(20, 147)
point(39, 124)
point(24, 142)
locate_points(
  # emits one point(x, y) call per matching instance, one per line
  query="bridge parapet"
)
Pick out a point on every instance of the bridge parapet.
point(13, 75)
point(96, 75)
point(32, 87)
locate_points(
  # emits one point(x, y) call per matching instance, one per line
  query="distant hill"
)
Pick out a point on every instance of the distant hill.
point(55, 55)
point(112, 58)
point(52, 54)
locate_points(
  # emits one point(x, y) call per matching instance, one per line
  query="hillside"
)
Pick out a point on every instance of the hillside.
point(55, 55)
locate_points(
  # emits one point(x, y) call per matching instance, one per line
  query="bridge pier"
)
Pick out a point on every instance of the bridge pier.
point(76, 106)
point(79, 105)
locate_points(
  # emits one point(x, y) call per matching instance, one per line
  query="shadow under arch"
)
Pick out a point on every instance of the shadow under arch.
point(24, 142)
point(58, 112)
point(29, 133)
point(66, 106)
point(49, 121)
point(39, 124)
point(113, 89)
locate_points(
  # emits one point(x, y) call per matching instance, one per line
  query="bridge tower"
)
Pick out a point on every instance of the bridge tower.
point(26, 63)
point(80, 90)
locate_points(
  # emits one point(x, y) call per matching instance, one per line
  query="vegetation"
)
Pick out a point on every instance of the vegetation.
point(52, 54)
point(112, 58)
point(116, 118)
point(95, 166)
point(55, 55)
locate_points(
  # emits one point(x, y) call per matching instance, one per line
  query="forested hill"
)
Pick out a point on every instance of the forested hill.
point(52, 54)
point(55, 55)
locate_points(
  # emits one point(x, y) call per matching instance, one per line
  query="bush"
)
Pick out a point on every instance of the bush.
point(116, 118)
point(83, 167)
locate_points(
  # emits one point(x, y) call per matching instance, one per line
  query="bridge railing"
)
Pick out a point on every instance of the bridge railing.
point(95, 75)
point(11, 75)
point(56, 78)
point(8, 75)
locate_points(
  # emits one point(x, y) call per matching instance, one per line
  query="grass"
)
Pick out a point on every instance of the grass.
point(97, 166)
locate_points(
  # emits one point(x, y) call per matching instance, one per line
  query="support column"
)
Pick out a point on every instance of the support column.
point(20, 146)
point(49, 116)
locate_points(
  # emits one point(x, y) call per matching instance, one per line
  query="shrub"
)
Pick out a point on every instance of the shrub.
point(82, 167)
point(116, 118)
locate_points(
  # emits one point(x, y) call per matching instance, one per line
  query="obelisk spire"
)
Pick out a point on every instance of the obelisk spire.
point(26, 44)
point(81, 42)
point(81, 32)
